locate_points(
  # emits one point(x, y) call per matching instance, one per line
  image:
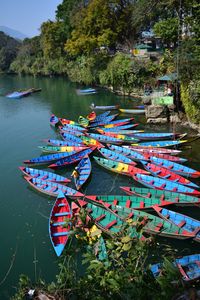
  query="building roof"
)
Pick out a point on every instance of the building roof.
point(168, 77)
point(142, 46)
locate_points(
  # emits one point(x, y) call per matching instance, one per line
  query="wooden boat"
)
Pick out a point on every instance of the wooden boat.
point(158, 136)
point(107, 107)
point(132, 111)
point(123, 132)
point(125, 138)
point(162, 144)
point(60, 143)
point(59, 223)
point(133, 201)
point(52, 188)
point(109, 154)
point(88, 141)
point(182, 221)
point(66, 121)
point(83, 121)
point(188, 266)
point(107, 220)
point(44, 175)
point(165, 196)
point(58, 149)
point(82, 172)
point(73, 127)
point(71, 159)
point(162, 184)
point(54, 120)
point(118, 167)
point(101, 116)
point(70, 131)
point(118, 123)
point(104, 138)
point(175, 167)
point(45, 159)
point(154, 150)
point(151, 224)
point(104, 121)
point(70, 137)
point(167, 174)
point(91, 116)
point(127, 152)
point(18, 94)
point(117, 128)
point(173, 158)
point(88, 91)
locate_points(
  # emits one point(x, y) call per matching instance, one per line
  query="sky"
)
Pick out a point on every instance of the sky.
point(26, 16)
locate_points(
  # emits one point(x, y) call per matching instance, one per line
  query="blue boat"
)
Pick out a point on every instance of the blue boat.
point(157, 136)
point(60, 143)
point(103, 121)
point(125, 132)
point(134, 155)
point(71, 138)
point(59, 223)
point(162, 184)
point(82, 172)
point(70, 131)
point(86, 91)
point(182, 221)
point(167, 174)
point(104, 138)
point(45, 159)
point(188, 266)
point(162, 144)
point(54, 120)
point(101, 116)
point(115, 156)
point(73, 127)
point(117, 128)
point(71, 159)
point(17, 94)
point(175, 167)
point(44, 175)
point(52, 188)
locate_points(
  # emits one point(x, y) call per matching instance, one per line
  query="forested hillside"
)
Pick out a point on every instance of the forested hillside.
point(8, 50)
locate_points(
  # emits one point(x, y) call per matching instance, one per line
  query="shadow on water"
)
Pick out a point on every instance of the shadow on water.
point(24, 124)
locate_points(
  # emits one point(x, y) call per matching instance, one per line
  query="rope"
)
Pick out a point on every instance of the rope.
point(10, 267)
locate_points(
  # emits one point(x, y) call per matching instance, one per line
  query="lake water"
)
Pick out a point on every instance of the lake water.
point(24, 124)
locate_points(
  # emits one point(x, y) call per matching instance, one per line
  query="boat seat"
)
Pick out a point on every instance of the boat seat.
point(62, 214)
point(63, 233)
point(58, 223)
point(43, 186)
point(44, 177)
point(158, 226)
point(109, 225)
point(174, 189)
point(167, 176)
point(128, 203)
point(182, 223)
point(162, 197)
point(151, 182)
point(100, 218)
point(149, 195)
point(142, 205)
point(163, 185)
point(115, 202)
point(61, 204)
point(53, 189)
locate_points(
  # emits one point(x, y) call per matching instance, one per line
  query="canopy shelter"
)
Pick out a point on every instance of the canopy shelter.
point(168, 77)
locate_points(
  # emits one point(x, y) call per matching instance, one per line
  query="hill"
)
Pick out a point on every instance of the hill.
point(13, 33)
point(8, 51)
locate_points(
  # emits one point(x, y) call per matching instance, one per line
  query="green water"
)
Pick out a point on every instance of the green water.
point(24, 124)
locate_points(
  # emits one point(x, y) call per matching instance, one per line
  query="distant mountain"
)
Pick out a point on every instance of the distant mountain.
point(13, 33)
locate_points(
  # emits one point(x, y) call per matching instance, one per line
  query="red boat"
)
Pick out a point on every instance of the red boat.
point(59, 225)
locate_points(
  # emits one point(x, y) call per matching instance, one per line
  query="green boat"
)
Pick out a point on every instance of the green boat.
point(132, 202)
point(112, 218)
point(119, 167)
point(164, 196)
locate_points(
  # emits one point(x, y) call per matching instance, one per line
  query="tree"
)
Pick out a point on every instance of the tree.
point(167, 30)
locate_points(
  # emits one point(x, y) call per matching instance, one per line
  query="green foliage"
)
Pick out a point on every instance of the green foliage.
point(23, 286)
point(123, 73)
point(190, 96)
point(8, 51)
point(167, 30)
point(53, 37)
